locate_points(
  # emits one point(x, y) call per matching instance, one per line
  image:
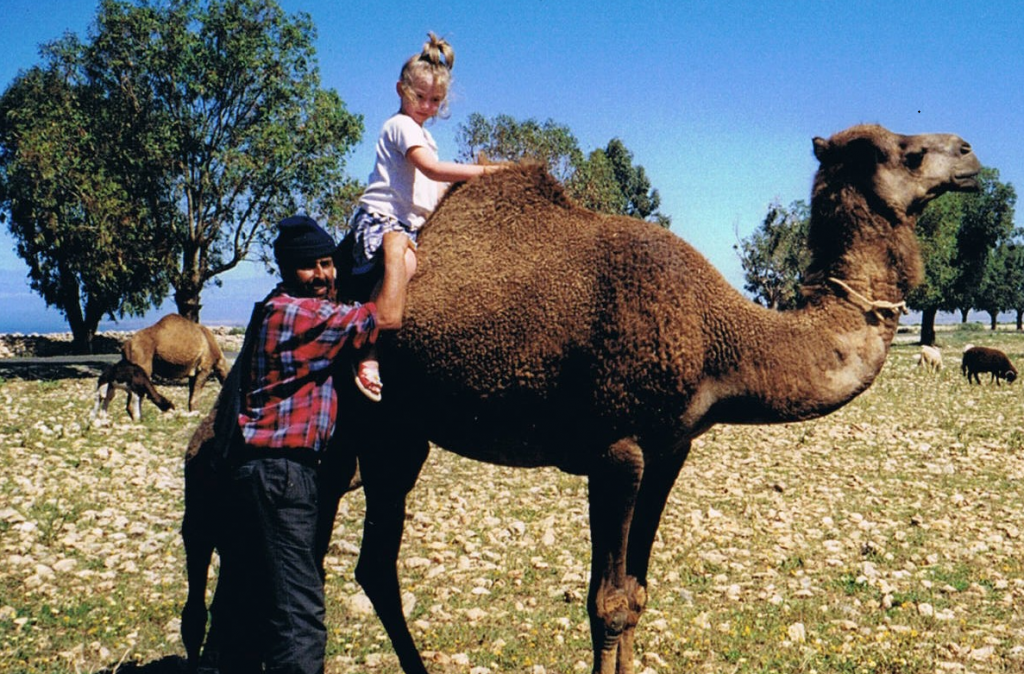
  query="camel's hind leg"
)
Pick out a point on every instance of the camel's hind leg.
point(388, 477)
point(615, 600)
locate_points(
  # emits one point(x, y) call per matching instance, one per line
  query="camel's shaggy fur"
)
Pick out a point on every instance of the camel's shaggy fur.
point(541, 334)
point(176, 348)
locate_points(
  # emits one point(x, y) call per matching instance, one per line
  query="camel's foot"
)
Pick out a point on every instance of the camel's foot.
point(618, 612)
point(193, 629)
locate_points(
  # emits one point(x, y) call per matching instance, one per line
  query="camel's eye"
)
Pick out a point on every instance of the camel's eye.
point(914, 159)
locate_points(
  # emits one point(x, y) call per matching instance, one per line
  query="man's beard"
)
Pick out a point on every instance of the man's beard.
point(314, 288)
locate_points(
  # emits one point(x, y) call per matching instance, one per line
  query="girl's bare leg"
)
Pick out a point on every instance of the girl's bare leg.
point(399, 267)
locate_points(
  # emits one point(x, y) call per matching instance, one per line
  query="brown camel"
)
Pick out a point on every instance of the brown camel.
point(131, 379)
point(541, 334)
point(176, 348)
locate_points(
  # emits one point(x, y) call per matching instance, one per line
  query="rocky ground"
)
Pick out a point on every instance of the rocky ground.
point(884, 538)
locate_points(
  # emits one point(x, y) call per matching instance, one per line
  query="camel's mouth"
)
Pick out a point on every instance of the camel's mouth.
point(967, 181)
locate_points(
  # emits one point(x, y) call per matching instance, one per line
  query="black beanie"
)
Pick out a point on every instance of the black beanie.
point(300, 238)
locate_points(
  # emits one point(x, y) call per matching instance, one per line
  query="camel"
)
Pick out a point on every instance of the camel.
point(538, 333)
point(129, 377)
point(176, 348)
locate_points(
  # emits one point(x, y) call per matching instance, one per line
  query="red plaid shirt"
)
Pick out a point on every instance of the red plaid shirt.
point(291, 402)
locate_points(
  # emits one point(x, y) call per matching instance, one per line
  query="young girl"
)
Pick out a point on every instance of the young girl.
point(406, 183)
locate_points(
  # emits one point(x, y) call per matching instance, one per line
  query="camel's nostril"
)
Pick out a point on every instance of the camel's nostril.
point(966, 149)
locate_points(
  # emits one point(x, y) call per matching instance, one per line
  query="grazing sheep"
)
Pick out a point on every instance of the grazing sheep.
point(175, 347)
point(129, 377)
point(930, 358)
point(978, 359)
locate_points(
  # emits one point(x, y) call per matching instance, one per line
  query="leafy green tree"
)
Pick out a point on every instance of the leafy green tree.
point(247, 133)
point(506, 139)
point(641, 200)
point(609, 182)
point(594, 186)
point(606, 181)
point(83, 207)
point(937, 230)
point(957, 232)
point(160, 152)
point(775, 255)
point(1002, 284)
point(1014, 278)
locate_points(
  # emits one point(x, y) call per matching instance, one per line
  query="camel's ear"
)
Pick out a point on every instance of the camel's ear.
point(820, 148)
point(860, 155)
point(864, 155)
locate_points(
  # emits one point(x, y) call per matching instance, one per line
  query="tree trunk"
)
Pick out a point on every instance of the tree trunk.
point(928, 327)
point(187, 302)
point(992, 319)
point(1020, 320)
point(82, 328)
point(963, 315)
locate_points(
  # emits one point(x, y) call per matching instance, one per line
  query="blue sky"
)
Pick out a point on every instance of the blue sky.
point(718, 100)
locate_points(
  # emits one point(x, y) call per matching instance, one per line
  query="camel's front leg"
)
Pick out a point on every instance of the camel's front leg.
point(615, 600)
point(134, 405)
point(192, 390)
point(655, 487)
point(388, 477)
point(104, 394)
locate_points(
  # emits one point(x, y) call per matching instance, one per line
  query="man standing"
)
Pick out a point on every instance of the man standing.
point(271, 613)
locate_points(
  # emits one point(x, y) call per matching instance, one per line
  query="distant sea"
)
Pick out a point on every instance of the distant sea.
point(25, 312)
point(230, 305)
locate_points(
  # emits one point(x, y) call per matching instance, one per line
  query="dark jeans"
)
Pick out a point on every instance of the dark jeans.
point(269, 603)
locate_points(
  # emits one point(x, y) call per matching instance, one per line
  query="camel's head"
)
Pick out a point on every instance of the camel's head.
point(904, 172)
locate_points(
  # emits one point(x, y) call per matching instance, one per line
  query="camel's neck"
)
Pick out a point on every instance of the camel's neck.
point(791, 366)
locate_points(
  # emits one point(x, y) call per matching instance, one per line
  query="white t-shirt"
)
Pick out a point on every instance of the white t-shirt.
point(397, 188)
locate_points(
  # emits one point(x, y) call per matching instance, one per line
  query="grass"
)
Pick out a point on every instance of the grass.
point(886, 537)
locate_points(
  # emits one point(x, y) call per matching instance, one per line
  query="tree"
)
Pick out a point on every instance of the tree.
point(957, 232)
point(641, 200)
point(247, 134)
point(606, 181)
point(937, 230)
point(775, 255)
point(609, 182)
point(1014, 278)
point(82, 206)
point(1002, 284)
point(594, 186)
point(506, 139)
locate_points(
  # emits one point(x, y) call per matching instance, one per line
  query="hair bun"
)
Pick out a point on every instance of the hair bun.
point(438, 52)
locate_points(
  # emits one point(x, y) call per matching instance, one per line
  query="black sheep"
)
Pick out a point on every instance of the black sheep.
point(979, 359)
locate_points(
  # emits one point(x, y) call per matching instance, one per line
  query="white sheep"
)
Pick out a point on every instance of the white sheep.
point(930, 358)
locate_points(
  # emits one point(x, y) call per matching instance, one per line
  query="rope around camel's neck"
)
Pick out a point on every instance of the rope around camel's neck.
point(868, 305)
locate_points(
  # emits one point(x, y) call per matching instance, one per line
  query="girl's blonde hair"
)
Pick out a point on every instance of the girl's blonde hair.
point(434, 63)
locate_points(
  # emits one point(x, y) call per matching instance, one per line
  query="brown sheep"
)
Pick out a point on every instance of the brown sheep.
point(176, 348)
point(978, 359)
point(538, 333)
